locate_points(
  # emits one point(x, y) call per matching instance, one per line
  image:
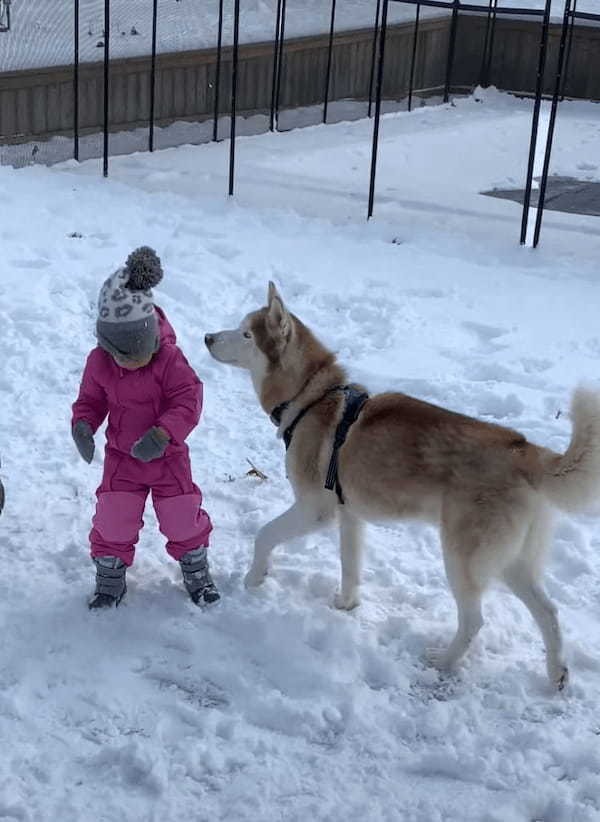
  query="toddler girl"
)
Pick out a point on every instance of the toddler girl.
point(140, 378)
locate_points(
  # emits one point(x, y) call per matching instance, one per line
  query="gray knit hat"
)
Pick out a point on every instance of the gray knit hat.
point(127, 323)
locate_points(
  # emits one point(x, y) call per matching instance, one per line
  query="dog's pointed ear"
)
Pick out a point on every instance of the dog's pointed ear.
point(272, 293)
point(277, 314)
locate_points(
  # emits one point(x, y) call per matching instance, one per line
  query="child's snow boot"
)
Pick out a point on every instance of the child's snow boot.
point(197, 578)
point(110, 582)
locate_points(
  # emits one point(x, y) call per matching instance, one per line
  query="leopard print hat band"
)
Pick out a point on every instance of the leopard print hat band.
point(119, 304)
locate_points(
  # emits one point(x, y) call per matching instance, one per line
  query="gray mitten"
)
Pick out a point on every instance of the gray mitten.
point(84, 439)
point(151, 446)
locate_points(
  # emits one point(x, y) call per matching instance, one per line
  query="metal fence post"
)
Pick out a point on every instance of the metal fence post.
point(76, 80)
point(451, 47)
point(280, 62)
point(569, 49)
point(488, 44)
point(153, 76)
point(234, 78)
point(373, 56)
point(375, 146)
point(535, 121)
point(551, 124)
point(218, 73)
point(106, 84)
point(413, 59)
point(329, 61)
point(276, 50)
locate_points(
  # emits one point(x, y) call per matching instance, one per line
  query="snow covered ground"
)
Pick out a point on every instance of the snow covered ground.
point(274, 706)
point(183, 24)
point(42, 31)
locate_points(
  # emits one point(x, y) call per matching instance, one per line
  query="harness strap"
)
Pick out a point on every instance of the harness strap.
point(354, 404)
point(289, 431)
point(277, 413)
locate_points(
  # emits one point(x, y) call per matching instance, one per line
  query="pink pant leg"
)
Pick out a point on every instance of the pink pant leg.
point(118, 518)
point(178, 505)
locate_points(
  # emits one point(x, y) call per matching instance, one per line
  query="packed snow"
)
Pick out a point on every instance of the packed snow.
point(273, 705)
point(42, 31)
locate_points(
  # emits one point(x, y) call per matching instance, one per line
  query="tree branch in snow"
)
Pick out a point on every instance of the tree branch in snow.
point(254, 471)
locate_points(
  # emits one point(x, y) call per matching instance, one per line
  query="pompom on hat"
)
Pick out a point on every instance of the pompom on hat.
point(127, 324)
point(144, 269)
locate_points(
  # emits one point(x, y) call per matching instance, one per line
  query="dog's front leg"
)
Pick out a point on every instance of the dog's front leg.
point(297, 521)
point(351, 537)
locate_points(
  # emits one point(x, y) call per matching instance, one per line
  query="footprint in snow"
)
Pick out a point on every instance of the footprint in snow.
point(224, 251)
point(535, 365)
point(33, 264)
point(486, 335)
point(202, 693)
point(425, 293)
point(487, 371)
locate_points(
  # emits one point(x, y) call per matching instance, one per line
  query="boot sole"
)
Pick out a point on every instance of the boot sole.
point(114, 604)
point(202, 603)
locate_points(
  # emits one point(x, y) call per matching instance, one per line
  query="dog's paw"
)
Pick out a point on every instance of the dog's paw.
point(559, 676)
point(254, 578)
point(438, 658)
point(346, 602)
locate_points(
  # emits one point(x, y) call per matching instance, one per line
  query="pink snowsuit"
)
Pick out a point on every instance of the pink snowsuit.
point(165, 393)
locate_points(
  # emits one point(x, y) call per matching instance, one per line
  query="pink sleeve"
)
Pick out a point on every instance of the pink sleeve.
point(92, 404)
point(183, 398)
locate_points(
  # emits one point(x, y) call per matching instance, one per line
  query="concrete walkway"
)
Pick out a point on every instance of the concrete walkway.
point(565, 194)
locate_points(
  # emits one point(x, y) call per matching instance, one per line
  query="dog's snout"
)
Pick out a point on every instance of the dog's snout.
point(225, 346)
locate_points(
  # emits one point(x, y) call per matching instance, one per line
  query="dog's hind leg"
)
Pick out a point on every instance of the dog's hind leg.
point(351, 535)
point(532, 595)
point(522, 577)
point(490, 539)
point(298, 521)
point(479, 539)
point(467, 594)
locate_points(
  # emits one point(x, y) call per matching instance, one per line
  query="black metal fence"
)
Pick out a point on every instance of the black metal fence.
point(570, 16)
point(455, 10)
point(278, 53)
point(493, 10)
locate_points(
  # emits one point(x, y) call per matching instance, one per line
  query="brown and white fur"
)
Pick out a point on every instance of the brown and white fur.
point(490, 491)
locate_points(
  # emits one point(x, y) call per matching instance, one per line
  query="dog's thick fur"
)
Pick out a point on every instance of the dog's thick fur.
point(490, 491)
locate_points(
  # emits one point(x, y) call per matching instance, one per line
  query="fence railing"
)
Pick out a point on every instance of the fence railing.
point(439, 56)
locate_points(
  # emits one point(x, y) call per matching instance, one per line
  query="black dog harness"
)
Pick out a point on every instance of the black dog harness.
point(354, 401)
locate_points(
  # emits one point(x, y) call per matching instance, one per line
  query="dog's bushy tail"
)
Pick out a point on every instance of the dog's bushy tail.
point(571, 481)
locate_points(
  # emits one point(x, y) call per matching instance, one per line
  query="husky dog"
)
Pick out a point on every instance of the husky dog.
point(489, 490)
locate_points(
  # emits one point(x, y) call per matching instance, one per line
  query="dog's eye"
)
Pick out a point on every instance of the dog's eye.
point(247, 335)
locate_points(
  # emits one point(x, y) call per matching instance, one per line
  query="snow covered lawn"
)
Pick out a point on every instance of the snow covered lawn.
point(42, 32)
point(273, 706)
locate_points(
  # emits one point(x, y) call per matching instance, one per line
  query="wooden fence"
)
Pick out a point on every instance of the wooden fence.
point(38, 104)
